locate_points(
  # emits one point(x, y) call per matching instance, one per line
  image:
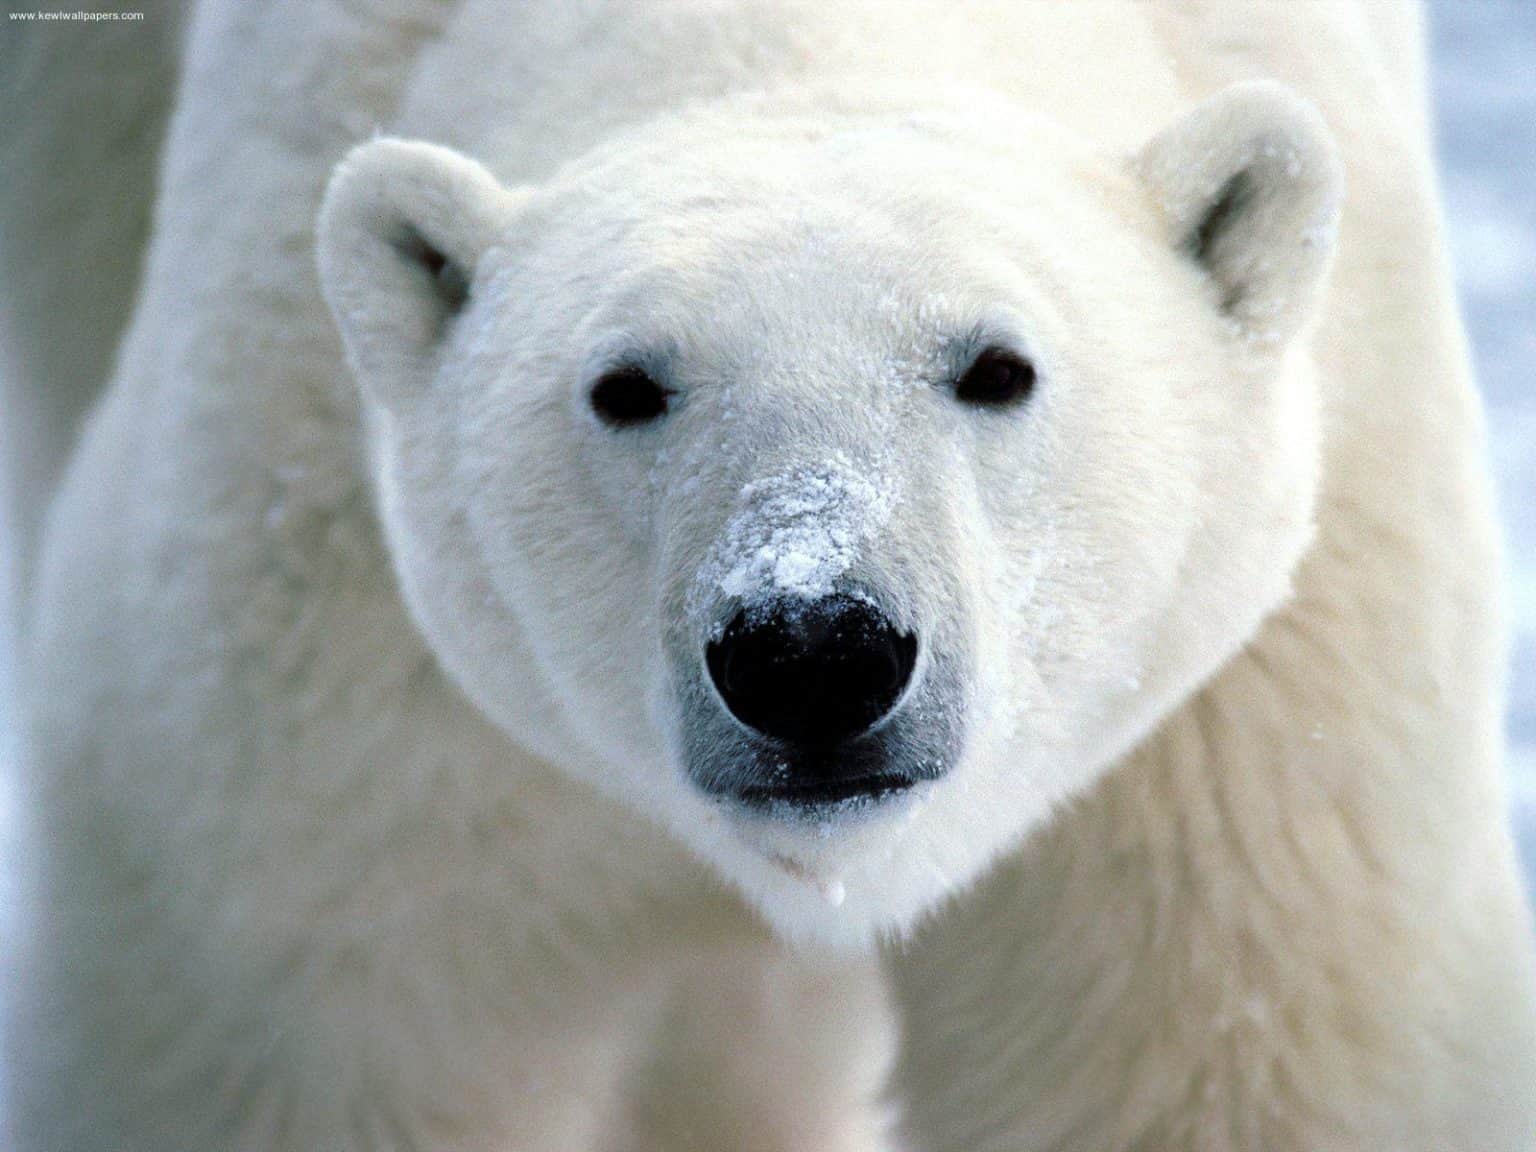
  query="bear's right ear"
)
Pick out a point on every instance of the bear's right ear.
point(402, 227)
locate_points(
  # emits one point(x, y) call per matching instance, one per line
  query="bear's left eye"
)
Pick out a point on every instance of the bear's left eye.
point(996, 378)
point(625, 396)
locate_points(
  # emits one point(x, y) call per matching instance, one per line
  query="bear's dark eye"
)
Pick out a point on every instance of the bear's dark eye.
point(995, 379)
point(627, 396)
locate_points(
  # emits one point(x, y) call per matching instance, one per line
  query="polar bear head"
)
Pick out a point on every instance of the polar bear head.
point(842, 490)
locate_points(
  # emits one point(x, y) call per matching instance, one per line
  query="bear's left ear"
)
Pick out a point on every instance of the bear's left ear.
point(401, 230)
point(1251, 186)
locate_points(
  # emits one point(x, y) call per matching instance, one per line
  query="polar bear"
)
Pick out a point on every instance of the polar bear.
point(768, 575)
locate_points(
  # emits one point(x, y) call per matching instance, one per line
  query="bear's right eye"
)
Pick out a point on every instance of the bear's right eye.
point(623, 397)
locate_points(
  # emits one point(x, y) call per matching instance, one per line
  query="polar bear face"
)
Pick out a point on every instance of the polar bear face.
point(841, 492)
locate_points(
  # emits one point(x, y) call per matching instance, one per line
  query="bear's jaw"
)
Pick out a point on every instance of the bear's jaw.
point(816, 797)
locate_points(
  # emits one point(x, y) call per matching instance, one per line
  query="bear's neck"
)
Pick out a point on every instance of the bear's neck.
point(1094, 68)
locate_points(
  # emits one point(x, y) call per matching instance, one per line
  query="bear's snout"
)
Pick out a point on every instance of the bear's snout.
point(814, 677)
point(812, 674)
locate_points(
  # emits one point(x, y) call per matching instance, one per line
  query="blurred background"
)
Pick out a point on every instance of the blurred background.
point(1484, 75)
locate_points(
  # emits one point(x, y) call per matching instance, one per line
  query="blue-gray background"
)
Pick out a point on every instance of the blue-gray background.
point(1484, 58)
point(1484, 54)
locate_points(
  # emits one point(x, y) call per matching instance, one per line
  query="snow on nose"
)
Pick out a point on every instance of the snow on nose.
point(796, 533)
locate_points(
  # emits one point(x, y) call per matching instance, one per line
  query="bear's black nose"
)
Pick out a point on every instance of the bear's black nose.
point(811, 674)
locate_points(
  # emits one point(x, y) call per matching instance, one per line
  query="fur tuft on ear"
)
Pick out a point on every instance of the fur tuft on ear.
point(401, 230)
point(1251, 185)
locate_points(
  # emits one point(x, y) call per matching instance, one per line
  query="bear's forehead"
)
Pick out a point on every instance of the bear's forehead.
point(808, 253)
point(804, 295)
point(832, 248)
point(898, 168)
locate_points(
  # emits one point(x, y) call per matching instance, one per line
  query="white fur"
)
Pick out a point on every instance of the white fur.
point(355, 696)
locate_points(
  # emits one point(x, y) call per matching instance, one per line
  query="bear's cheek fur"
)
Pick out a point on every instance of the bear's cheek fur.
point(1119, 566)
point(542, 630)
